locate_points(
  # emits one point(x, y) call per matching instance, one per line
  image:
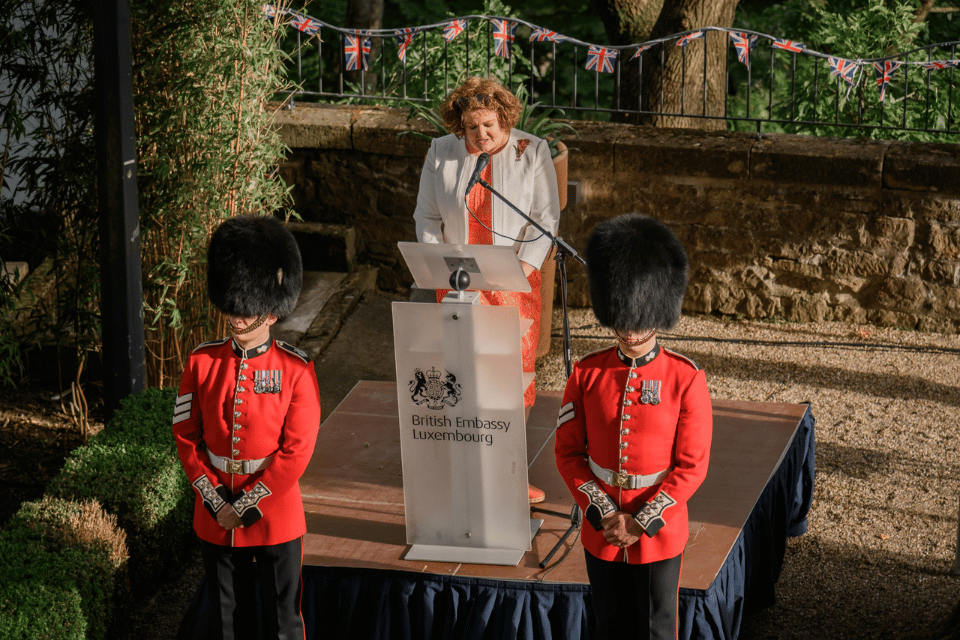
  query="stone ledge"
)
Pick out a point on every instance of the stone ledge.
point(377, 131)
point(328, 322)
point(325, 247)
point(794, 159)
point(315, 127)
point(591, 150)
point(698, 154)
point(916, 166)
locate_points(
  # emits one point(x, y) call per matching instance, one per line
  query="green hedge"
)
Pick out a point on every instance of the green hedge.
point(144, 418)
point(146, 489)
point(40, 611)
point(132, 469)
point(64, 563)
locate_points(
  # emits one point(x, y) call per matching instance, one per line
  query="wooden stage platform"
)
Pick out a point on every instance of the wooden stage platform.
point(356, 585)
point(353, 490)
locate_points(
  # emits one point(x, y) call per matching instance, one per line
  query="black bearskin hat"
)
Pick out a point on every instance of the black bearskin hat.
point(254, 267)
point(638, 274)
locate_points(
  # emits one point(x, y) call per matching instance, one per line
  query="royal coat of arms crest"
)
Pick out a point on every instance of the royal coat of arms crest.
point(432, 390)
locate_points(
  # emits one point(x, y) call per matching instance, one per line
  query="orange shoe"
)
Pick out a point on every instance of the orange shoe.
point(536, 495)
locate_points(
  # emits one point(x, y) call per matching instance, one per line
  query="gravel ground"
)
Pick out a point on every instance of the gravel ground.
point(876, 560)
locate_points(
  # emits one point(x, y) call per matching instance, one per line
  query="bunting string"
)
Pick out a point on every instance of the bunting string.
point(743, 43)
point(504, 32)
point(599, 58)
point(884, 71)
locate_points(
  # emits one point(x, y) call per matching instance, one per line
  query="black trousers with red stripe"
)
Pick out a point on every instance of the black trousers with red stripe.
point(635, 601)
point(231, 577)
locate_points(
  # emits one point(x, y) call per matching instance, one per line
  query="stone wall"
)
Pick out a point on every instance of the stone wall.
point(794, 227)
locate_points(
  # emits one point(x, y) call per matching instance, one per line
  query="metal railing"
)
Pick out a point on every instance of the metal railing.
point(768, 83)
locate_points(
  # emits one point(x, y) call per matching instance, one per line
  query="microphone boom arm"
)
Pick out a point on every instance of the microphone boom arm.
point(560, 242)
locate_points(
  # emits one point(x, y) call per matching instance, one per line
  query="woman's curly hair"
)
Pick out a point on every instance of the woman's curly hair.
point(480, 93)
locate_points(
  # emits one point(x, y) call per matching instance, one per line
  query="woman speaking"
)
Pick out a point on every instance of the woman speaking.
point(481, 115)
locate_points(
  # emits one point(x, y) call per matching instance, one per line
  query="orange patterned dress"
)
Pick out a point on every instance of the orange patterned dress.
point(480, 202)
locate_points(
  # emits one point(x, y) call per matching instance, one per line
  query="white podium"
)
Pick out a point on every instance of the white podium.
point(460, 390)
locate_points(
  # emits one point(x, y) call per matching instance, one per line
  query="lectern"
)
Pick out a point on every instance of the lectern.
point(460, 386)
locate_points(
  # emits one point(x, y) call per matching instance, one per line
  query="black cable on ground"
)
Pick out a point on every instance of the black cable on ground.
point(779, 343)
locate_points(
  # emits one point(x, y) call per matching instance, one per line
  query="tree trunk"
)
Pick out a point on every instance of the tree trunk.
point(627, 21)
point(363, 15)
point(676, 81)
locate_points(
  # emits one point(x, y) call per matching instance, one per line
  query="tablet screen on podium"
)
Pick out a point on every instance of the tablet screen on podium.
point(490, 267)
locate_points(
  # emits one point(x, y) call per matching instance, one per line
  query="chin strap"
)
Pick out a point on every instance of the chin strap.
point(253, 327)
point(634, 343)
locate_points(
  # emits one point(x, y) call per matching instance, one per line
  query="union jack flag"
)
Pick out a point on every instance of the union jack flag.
point(641, 49)
point(846, 69)
point(306, 24)
point(356, 51)
point(454, 28)
point(404, 37)
point(940, 65)
point(743, 43)
point(540, 34)
point(600, 59)
point(690, 37)
point(788, 45)
point(269, 11)
point(884, 73)
point(504, 32)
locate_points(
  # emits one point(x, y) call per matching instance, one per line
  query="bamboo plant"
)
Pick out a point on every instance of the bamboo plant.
point(207, 151)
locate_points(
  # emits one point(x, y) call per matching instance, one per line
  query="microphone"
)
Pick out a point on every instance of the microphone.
point(482, 163)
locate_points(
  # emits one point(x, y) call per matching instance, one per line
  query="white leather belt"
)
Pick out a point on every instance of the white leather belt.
point(624, 480)
point(242, 467)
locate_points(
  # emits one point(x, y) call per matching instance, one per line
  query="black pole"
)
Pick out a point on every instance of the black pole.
point(121, 291)
point(563, 250)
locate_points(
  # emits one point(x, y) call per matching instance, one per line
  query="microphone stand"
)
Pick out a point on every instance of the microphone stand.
point(563, 251)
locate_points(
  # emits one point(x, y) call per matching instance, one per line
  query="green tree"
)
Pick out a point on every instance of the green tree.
point(801, 86)
point(676, 80)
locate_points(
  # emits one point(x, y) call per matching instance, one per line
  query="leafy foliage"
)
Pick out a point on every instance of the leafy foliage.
point(63, 559)
point(47, 176)
point(207, 151)
point(796, 89)
point(144, 417)
point(132, 468)
point(61, 565)
point(32, 608)
point(142, 484)
point(433, 67)
point(92, 547)
point(206, 148)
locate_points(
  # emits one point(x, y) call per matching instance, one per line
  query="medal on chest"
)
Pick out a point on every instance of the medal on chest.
point(267, 381)
point(650, 392)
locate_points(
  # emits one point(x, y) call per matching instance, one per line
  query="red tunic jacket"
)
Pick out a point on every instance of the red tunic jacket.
point(248, 405)
point(604, 416)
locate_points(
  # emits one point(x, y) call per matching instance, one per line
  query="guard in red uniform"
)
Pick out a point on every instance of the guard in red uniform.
point(633, 436)
point(245, 424)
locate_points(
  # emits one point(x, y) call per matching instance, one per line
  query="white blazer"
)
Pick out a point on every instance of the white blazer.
point(528, 181)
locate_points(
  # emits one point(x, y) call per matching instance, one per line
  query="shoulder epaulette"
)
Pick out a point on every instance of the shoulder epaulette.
point(289, 348)
point(597, 352)
point(212, 343)
point(683, 357)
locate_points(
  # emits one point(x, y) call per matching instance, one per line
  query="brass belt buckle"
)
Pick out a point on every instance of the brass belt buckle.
point(234, 466)
point(621, 479)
